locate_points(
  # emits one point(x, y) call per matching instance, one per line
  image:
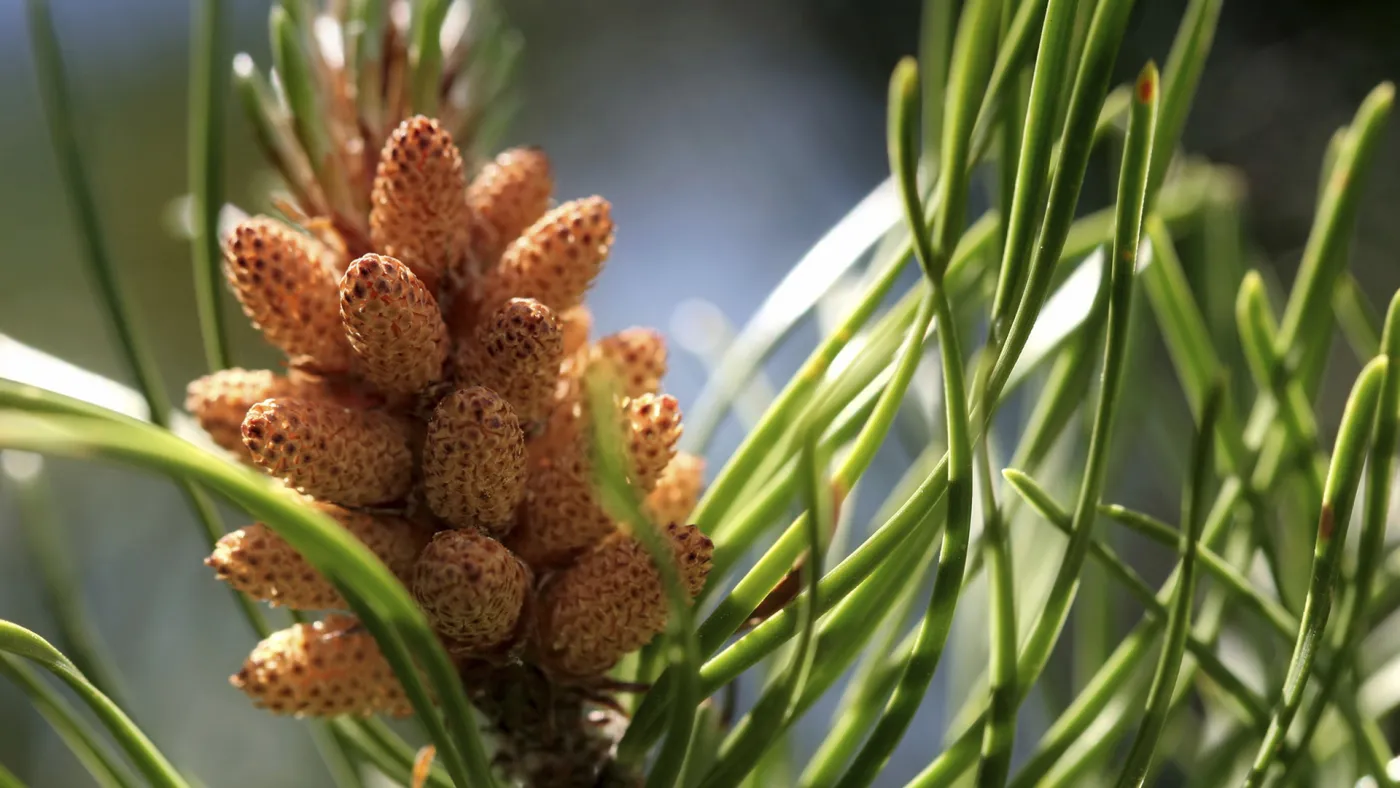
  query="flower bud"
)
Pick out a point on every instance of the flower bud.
point(561, 516)
point(517, 355)
point(505, 198)
point(474, 460)
point(639, 357)
point(349, 457)
point(472, 588)
point(654, 427)
point(556, 260)
point(418, 208)
point(280, 278)
point(394, 325)
point(611, 601)
point(258, 562)
point(326, 669)
point(219, 401)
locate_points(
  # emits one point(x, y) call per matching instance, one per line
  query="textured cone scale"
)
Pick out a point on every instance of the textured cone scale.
point(694, 555)
point(651, 423)
point(654, 426)
point(472, 589)
point(561, 516)
point(350, 457)
point(506, 197)
point(638, 355)
point(221, 400)
point(261, 564)
point(575, 322)
point(474, 460)
point(517, 355)
point(557, 259)
point(280, 278)
point(326, 669)
point(677, 491)
point(418, 209)
point(393, 323)
point(610, 602)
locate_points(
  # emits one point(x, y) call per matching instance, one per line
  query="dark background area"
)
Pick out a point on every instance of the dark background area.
point(728, 135)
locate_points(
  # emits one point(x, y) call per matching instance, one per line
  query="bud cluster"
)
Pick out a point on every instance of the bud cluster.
point(433, 406)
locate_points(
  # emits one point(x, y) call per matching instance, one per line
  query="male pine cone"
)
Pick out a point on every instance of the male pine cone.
point(261, 564)
point(220, 401)
point(508, 196)
point(418, 210)
point(280, 277)
point(473, 590)
point(562, 514)
point(474, 460)
point(349, 457)
point(611, 602)
point(394, 325)
point(325, 669)
point(556, 260)
point(517, 354)
point(436, 385)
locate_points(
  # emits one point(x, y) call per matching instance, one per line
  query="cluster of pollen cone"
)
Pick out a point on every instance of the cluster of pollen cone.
point(432, 403)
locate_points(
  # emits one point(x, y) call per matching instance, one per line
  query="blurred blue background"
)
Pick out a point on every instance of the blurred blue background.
point(728, 135)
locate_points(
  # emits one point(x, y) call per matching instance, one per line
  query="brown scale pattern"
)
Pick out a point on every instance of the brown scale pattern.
point(219, 401)
point(280, 279)
point(651, 422)
point(694, 555)
point(517, 354)
point(639, 357)
point(610, 602)
point(473, 590)
point(677, 491)
point(326, 669)
point(418, 208)
point(654, 427)
point(561, 517)
point(506, 197)
point(556, 260)
point(474, 460)
point(258, 562)
point(349, 457)
point(394, 325)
